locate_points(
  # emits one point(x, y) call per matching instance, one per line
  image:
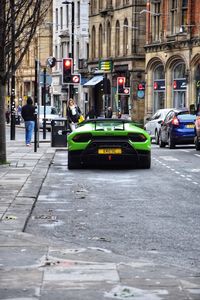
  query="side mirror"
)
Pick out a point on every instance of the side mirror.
point(148, 119)
point(161, 122)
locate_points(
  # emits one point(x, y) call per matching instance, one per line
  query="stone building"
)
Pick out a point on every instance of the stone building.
point(40, 49)
point(116, 49)
point(172, 54)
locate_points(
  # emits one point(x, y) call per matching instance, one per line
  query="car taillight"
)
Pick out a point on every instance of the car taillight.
point(82, 138)
point(137, 137)
point(175, 121)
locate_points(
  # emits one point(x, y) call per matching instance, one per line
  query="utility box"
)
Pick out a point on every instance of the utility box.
point(59, 129)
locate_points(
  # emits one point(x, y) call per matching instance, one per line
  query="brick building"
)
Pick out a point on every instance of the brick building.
point(117, 36)
point(172, 54)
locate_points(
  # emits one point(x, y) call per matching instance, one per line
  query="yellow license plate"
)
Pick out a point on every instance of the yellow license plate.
point(190, 126)
point(110, 151)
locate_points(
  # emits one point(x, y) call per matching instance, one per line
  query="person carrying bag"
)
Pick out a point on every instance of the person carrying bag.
point(74, 114)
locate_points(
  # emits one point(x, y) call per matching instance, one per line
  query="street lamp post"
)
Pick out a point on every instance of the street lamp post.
point(72, 43)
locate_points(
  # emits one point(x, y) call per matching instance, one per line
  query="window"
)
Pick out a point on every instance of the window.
point(108, 39)
point(100, 41)
point(67, 16)
point(117, 39)
point(159, 88)
point(61, 18)
point(93, 50)
point(125, 37)
point(156, 22)
point(173, 16)
point(100, 4)
point(78, 8)
point(179, 86)
point(184, 14)
point(56, 18)
point(118, 3)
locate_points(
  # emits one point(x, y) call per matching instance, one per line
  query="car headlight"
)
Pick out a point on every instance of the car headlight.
point(82, 138)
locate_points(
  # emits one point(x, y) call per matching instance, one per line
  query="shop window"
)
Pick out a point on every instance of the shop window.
point(159, 88)
point(179, 86)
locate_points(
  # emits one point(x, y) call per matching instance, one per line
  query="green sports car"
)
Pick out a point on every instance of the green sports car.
point(109, 142)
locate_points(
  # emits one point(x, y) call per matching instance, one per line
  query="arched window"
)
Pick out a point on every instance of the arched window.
point(108, 39)
point(159, 88)
point(100, 41)
point(179, 85)
point(93, 50)
point(125, 37)
point(117, 39)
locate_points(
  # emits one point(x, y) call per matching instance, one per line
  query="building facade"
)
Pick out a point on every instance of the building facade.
point(117, 38)
point(70, 39)
point(40, 49)
point(172, 54)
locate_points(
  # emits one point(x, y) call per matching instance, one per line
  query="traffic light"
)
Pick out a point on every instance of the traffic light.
point(67, 68)
point(120, 85)
point(75, 79)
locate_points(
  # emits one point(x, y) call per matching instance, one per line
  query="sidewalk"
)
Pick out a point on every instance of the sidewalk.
point(31, 268)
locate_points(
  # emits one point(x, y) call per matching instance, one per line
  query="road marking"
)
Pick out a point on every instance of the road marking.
point(183, 150)
point(198, 155)
point(169, 158)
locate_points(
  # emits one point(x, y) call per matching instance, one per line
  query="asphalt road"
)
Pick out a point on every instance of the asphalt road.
point(150, 214)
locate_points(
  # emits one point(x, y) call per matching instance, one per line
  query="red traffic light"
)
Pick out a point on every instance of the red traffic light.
point(121, 80)
point(67, 63)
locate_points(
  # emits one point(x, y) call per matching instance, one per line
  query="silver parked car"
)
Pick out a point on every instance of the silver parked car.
point(153, 123)
point(51, 114)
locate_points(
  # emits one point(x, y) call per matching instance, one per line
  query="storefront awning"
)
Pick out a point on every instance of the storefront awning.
point(92, 82)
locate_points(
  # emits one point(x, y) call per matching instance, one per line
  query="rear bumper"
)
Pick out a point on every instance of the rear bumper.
point(180, 137)
point(125, 160)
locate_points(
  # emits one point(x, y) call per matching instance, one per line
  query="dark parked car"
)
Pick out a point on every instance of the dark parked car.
point(177, 128)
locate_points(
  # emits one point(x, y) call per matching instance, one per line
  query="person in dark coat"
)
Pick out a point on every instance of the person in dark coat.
point(28, 114)
point(91, 113)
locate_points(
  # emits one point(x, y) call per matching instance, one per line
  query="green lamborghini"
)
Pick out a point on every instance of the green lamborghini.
point(109, 142)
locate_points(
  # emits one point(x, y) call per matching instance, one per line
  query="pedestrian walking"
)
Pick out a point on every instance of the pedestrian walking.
point(8, 115)
point(91, 113)
point(28, 114)
point(109, 112)
point(73, 114)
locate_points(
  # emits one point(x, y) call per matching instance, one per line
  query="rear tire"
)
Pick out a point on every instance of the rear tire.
point(73, 162)
point(197, 143)
point(146, 162)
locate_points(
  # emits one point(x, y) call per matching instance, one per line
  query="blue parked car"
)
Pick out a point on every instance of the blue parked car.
point(177, 128)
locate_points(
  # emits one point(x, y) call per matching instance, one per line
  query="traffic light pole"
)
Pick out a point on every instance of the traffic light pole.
point(71, 55)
